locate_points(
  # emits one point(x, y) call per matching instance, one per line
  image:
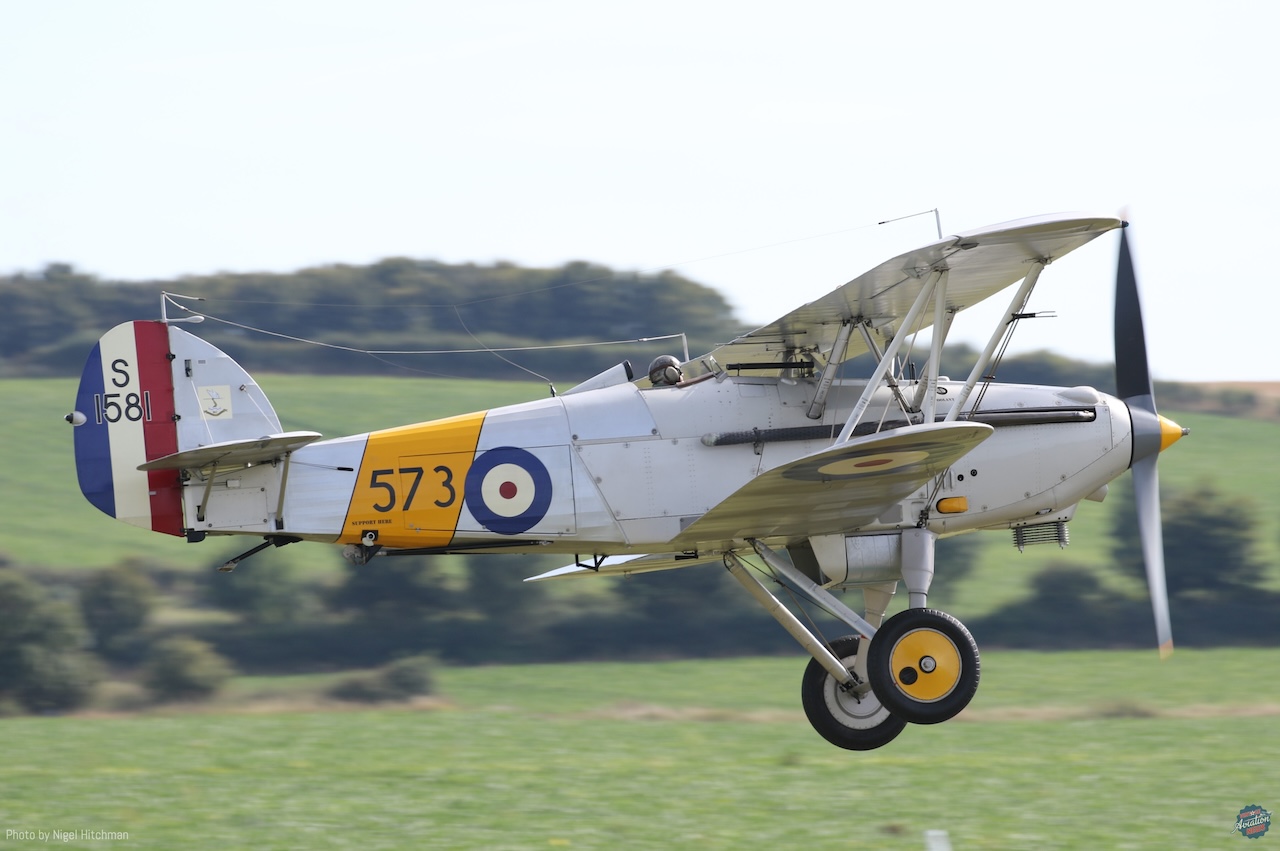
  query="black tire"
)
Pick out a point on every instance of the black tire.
point(923, 665)
point(855, 722)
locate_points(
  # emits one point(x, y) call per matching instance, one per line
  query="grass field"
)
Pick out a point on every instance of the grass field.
point(1071, 750)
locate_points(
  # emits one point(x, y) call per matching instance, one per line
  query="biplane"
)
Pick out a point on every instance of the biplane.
point(763, 455)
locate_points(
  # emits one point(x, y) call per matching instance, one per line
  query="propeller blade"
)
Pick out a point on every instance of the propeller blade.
point(1146, 489)
point(1152, 433)
point(1133, 379)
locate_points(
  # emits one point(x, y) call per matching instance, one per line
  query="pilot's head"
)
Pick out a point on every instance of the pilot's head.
point(665, 371)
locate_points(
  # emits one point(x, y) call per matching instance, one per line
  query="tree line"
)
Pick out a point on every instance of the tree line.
point(51, 318)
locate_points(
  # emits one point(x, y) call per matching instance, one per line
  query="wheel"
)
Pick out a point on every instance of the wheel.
point(854, 719)
point(923, 665)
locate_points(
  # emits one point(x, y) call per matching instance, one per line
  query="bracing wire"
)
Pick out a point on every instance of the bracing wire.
point(461, 322)
point(612, 275)
point(374, 352)
point(796, 602)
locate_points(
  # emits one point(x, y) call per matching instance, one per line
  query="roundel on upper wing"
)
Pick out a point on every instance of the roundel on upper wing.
point(508, 490)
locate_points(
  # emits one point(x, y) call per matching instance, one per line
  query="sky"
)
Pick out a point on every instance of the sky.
point(752, 147)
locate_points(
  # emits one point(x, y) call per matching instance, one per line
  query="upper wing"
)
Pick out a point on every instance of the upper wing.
point(836, 489)
point(980, 264)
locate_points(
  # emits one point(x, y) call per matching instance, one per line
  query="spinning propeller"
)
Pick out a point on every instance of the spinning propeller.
point(1152, 434)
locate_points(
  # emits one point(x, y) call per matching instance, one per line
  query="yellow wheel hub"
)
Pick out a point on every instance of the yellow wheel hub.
point(926, 665)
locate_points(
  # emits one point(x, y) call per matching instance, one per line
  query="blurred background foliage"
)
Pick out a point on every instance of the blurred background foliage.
point(175, 629)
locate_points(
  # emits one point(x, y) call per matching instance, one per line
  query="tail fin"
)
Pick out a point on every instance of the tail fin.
point(150, 391)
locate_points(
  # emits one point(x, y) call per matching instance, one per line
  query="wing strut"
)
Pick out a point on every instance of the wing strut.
point(789, 622)
point(1016, 304)
point(870, 343)
point(810, 590)
point(891, 352)
point(941, 325)
point(284, 486)
point(819, 403)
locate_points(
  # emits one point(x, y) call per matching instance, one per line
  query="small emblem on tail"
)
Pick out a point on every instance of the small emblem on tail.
point(216, 401)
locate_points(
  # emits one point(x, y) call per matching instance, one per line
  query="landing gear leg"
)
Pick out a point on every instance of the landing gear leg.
point(848, 716)
point(922, 663)
point(917, 565)
point(839, 703)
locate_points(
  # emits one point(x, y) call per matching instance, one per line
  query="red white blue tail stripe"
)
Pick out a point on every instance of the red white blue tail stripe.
point(126, 418)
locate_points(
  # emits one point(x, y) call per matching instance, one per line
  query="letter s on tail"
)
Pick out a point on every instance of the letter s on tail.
point(124, 417)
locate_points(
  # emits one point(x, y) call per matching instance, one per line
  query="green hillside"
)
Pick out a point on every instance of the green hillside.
point(49, 524)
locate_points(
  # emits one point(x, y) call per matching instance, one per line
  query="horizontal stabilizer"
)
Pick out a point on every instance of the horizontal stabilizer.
point(626, 566)
point(234, 452)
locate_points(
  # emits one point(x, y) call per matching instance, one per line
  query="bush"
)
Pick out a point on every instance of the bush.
point(400, 680)
point(21, 602)
point(116, 603)
point(362, 688)
point(411, 676)
point(42, 665)
point(184, 669)
point(56, 681)
point(263, 594)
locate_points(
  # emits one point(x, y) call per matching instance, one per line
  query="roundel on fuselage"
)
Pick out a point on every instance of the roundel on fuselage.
point(508, 490)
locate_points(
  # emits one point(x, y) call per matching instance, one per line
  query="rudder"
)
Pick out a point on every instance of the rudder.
point(124, 417)
point(148, 391)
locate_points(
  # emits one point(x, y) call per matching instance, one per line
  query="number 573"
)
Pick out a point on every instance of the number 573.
point(378, 479)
